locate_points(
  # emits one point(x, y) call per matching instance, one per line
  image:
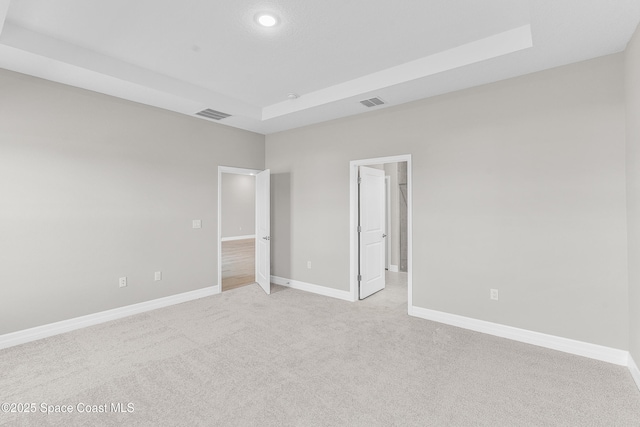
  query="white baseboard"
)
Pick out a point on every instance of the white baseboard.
point(393, 268)
point(228, 239)
point(635, 372)
point(592, 351)
point(44, 331)
point(316, 289)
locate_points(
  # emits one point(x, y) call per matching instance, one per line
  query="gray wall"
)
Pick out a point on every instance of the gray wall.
point(632, 73)
point(238, 205)
point(518, 185)
point(93, 188)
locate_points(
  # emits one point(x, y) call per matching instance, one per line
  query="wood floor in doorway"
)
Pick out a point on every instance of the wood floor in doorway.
point(238, 263)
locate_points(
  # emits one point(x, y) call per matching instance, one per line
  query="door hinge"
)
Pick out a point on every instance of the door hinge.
point(359, 229)
point(359, 180)
point(359, 278)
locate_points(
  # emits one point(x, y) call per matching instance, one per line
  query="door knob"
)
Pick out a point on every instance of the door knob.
point(384, 235)
point(267, 237)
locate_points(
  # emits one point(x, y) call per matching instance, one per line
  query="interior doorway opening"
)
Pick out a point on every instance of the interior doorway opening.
point(396, 258)
point(396, 203)
point(237, 229)
point(239, 220)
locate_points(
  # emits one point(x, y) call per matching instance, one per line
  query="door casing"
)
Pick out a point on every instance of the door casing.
point(353, 221)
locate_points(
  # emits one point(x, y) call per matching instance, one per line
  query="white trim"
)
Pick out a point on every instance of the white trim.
point(353, 221)
point(238, 171)
point(44, 331)
point(394, 268)
point(592, 351)
point(229, 239)
point(309, 287)
point(635, 372)
point(221, 170)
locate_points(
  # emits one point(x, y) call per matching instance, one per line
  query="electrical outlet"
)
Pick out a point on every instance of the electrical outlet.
point(157, 276)
point(308, 264)
point(122, 282)
point(493, 294)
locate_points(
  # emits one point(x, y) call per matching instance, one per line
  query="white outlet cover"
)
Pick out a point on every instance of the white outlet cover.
point(157, 276)
point(122, 282)
point(493, 294)
point(197, 223)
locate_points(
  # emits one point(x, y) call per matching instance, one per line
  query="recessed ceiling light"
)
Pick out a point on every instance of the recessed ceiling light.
point(267, 20)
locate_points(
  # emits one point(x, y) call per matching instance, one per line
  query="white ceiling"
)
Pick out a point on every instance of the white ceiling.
point(195, 54)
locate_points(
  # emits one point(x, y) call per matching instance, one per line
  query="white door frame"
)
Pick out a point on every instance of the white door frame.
point(353, 221)
point(221, 170)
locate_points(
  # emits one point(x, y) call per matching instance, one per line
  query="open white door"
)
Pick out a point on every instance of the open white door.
point(372, 223)
point(263, 231)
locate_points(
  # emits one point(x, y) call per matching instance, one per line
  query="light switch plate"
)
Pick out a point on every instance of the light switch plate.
point(197, 223)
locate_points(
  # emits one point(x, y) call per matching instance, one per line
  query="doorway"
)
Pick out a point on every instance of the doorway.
point(243, 228)
point(237, 229)
point(401, 167)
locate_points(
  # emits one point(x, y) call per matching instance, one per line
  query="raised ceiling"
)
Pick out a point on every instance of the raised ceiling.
point(209, 54)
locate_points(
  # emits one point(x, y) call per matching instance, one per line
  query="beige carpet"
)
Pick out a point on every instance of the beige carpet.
point(243, 358)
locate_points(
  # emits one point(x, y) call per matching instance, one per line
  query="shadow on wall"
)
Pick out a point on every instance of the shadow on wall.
point(281, 224)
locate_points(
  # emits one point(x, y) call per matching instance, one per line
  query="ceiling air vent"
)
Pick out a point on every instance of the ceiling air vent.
point(372, 102)
point(213, 114)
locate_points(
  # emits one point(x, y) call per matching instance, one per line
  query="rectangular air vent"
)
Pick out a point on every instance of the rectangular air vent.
point(372, 102)
point(213, 114)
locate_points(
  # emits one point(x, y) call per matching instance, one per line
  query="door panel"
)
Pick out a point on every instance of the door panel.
point(263, 231)
point(372, 217)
